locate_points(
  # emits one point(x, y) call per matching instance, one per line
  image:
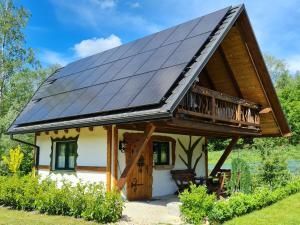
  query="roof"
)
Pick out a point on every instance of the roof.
point(141, 80)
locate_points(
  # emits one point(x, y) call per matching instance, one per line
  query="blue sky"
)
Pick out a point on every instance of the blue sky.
point(64, 30)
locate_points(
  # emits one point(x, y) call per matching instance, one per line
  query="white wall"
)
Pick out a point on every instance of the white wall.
point(91, 152)
point(162, 180)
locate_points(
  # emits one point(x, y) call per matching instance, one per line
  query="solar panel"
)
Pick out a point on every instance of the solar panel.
point(133, 65)
point(185, 52)
point(158, 39)
point(136, 74)
point(158, 86)
point(82, 101)
point(209, 22)
point(158, 58)
point(128, 92)
point(105, 94)
point(138, 46)
point(182, 31)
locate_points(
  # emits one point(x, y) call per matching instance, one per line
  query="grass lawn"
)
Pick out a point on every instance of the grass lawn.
point(290, 153)
point(14, 217)
point(285, 212)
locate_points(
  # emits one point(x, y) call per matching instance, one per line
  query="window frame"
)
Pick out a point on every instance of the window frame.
point(54, 155)
point(172, 151)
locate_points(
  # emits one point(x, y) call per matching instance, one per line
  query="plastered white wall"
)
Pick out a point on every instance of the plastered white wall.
point(91, 151)
point(163, 183)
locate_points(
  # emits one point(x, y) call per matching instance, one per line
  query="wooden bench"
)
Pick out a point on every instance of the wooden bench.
point(184, 178)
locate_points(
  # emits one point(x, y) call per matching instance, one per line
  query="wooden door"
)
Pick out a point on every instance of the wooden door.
point(139, 183)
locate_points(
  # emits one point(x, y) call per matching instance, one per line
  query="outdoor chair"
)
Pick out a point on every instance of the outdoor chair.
point(184, 178)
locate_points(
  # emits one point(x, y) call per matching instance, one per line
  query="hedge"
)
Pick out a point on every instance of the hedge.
point(194, 209)
point(88, 201)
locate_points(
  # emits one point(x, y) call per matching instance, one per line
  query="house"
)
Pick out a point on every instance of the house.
point(117, 117)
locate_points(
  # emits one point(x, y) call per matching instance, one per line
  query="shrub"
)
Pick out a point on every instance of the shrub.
point(196, 204)
point(89, 201)
point(55, 200)
point(240, 180)
point(13, 161)
point(239, 204)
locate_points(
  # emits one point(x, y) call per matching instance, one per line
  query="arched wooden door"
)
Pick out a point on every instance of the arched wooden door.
point(139, 183)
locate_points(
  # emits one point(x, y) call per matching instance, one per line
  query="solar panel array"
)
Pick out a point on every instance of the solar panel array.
point(136, 74)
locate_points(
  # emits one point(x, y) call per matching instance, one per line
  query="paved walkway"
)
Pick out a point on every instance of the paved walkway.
point(150, 212)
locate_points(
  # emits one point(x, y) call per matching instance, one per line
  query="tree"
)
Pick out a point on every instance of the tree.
point(14, 56)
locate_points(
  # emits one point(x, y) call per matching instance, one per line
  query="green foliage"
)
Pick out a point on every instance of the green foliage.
point(89, 201)
point(239, 204)
point(196, 204)
point(273, 170)
point(240, 180)
point(189, 151)
point(13, 161)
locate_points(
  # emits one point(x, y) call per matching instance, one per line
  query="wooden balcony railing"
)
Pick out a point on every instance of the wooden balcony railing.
point(209, 105)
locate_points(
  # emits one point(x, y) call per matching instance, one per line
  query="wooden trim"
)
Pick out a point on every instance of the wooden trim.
point(216, 118)
point(91, 168)
point(166, 139)
point(109, 157)
point(141, 147)
point(246, 31)
point(224, 156)
point(115, 147)
point(43, 167)
point(265, 110)
point(224, 97)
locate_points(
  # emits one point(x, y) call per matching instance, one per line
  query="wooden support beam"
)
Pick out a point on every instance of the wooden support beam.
point(78, 130)
point(140, 148)
point(224, 156)
point(56, 132)
point(47, 132)
point(66, 131)
point(108, 159)
point(115, 147)
point(208, 78)
point(206, 156)
point(230, 72)
point(91, 128)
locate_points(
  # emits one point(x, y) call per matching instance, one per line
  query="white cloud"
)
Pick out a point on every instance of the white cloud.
point(95, 45)
point(105, 4)
point(293, 63)
point(100, 15)
point(49, 57)
point(135, 5)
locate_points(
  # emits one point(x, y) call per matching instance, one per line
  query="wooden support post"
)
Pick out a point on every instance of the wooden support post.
point(239, 116)
point(108, 159)
point(115, 146)
point(206, 156)
point(141, 146)
point(213, 108)
point(224, 156)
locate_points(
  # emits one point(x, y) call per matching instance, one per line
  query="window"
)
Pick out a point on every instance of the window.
point(161, 152)
point(65, 155)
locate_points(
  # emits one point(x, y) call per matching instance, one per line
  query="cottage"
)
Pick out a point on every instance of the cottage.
point(123, 116)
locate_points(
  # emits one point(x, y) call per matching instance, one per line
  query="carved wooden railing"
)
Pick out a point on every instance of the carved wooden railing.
point(218, 107)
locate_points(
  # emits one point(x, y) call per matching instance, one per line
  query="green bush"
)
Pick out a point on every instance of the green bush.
point(239, 204)
point(89, 201)
point(196, 204)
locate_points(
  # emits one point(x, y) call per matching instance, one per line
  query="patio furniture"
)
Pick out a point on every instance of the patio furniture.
point(217, 184)
point(184, 178)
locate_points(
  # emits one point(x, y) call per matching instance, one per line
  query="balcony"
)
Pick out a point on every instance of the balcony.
point(215, 107)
